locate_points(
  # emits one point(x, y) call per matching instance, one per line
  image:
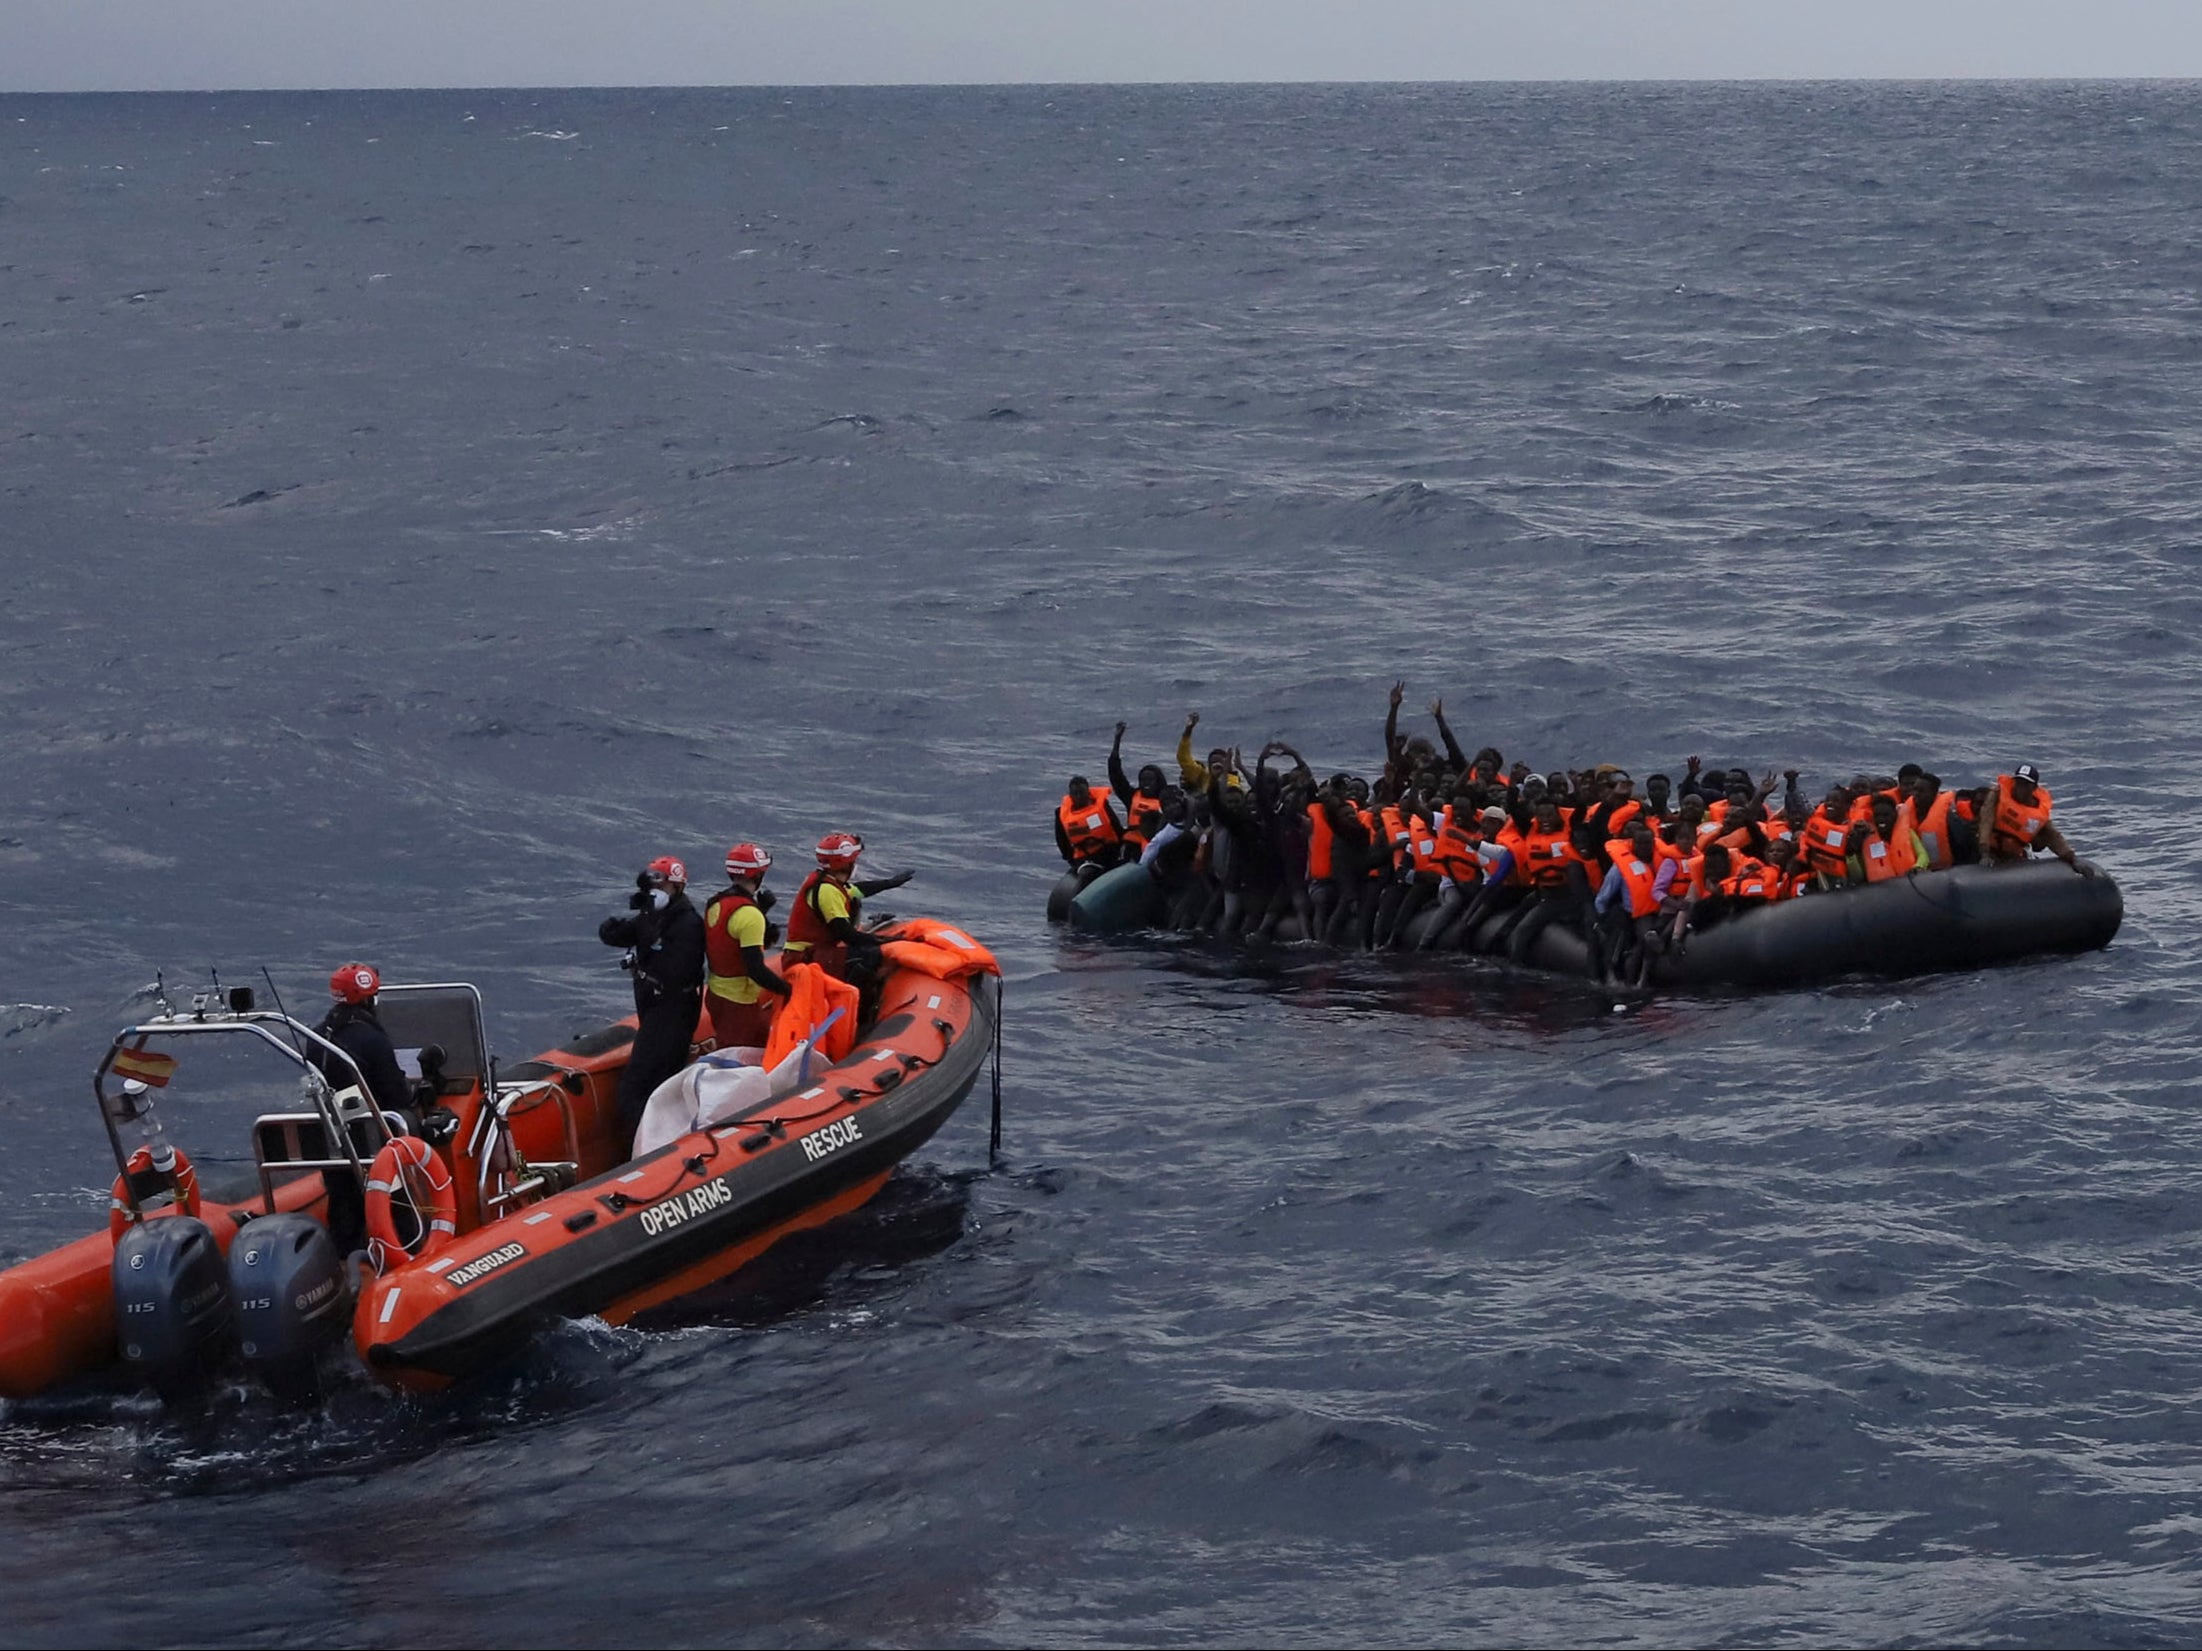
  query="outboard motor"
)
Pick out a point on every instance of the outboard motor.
point(172, 1312)
point(293, 1299)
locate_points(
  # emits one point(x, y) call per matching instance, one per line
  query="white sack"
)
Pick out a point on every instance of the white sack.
point(720, 1086)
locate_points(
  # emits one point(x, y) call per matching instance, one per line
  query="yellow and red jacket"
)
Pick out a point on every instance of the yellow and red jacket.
point(806, 928)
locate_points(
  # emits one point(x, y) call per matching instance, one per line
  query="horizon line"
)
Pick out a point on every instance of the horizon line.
point(1102, 85)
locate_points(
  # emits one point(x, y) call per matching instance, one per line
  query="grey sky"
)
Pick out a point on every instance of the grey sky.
point(77, 45)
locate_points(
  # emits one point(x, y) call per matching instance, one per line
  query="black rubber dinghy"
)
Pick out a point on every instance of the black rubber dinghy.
point(1928, 923)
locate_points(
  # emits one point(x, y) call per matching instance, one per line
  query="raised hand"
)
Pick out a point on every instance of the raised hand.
point(1399, 692)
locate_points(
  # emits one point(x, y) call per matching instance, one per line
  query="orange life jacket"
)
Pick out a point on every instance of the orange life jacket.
point(1456, 853)
point(1377, 840)
point(1689, 875)
point(1637, 876)
point(1398, 835)
point(1422, 846)
point(1933, 827)
point(1142, 818)
point(1092, 830)
point(812, 1004)
point(1512, 840)
point(2017, 824)
point(1320, 837)
point(1550, 853)
point(1885, 857)
point(1826, 843)
point(1751, 880)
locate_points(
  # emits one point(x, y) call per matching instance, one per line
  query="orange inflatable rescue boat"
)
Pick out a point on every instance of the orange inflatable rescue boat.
point(508, 1201)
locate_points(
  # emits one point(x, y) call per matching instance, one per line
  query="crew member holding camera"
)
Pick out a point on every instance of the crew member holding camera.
point(665, 950)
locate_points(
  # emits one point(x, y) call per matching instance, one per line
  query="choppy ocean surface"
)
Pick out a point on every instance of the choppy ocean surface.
point(419, 510)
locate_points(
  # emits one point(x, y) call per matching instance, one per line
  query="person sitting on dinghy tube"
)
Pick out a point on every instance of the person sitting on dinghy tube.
point(735, 935)
point(2014, 821)
point(1142, 803)
point(822, 929)
point(1087, 834)
point(664, 943)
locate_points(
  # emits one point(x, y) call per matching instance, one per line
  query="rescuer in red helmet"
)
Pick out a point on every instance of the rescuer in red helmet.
point(739, 982)
point(822, 928)
point(352, 1025)
point(665, 951)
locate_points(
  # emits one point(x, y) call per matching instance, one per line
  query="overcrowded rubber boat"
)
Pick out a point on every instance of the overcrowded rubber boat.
point(515, 1204)
point(1967, 917)
point(1712, 880)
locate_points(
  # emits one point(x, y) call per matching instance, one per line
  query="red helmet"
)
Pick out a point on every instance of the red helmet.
point(355, 983)
point(837, 850)
point(666, 869)
point(747, 860)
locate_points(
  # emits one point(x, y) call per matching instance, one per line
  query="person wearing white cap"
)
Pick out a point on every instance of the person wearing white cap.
point(664, 944)
point(2016, 822)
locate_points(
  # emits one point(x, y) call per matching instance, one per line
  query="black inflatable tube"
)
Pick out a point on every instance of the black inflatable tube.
point(1966, 918)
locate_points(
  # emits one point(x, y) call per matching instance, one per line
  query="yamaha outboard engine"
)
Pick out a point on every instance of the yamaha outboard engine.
point(172, 1313)
point(293, 1300)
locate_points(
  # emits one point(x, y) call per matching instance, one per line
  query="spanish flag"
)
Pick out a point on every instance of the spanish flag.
point(148, 1066)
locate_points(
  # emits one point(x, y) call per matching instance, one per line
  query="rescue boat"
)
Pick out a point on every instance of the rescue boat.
point(1967, 917)
point(513, 1205)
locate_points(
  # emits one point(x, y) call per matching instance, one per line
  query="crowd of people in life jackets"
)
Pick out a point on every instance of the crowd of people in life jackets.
point(686, 961)
point(1238, 851)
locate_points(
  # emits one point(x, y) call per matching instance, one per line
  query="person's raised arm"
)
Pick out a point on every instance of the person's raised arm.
point(1391, 723)
point(1453, 752)
point(1117, 782)
point(1190, 770)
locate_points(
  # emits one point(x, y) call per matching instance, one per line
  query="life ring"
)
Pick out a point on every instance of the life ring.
point(184, 1200)
point(410, 1162)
